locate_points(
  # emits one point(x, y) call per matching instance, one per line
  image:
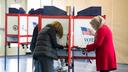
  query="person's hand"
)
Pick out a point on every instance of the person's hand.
point(91, 31)
point(61, 47)
point(86, 49)
point(76, 47)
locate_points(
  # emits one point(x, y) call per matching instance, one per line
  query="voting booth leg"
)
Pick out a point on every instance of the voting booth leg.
point(69, 67)
point(5, 59)
point(18, 59)
point(72, 61)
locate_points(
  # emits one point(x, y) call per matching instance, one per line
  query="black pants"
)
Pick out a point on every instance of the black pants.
point(105, 71)
point(46, 64)
point(36, 66)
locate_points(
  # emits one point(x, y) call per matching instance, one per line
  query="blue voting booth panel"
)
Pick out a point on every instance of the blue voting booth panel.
point(39, 11)
point(49, 10)
point(54, 11)
point(32, 11)
point(13, 10)
point(16, 11)
point(91, 11)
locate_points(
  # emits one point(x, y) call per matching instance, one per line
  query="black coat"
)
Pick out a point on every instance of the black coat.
point(34, 37)
point(47, 43)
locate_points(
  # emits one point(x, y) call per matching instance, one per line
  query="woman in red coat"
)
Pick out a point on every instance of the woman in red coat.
point(103, 45)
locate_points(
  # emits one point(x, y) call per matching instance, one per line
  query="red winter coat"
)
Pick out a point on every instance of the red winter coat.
point(105, 54)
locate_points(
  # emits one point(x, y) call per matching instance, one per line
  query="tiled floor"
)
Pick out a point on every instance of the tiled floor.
point(25, 65)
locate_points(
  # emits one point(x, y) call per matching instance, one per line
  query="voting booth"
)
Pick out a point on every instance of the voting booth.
point(16, 34)
point(19, 30)
point(82, 36)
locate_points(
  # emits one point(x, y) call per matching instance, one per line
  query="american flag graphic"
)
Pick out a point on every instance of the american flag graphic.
point(85, 31)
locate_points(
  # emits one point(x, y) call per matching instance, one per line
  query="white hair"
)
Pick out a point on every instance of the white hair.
point(97, 21)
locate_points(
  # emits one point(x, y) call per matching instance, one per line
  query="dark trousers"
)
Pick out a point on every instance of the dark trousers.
point(36, 66)
point(46, 64)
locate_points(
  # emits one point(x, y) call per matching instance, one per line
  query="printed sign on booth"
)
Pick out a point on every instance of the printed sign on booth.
point(82, 35)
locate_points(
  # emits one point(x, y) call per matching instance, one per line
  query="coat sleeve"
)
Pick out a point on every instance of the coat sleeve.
point(52, 34)
point(100, 35)
point(34, 37)
point(90, 47)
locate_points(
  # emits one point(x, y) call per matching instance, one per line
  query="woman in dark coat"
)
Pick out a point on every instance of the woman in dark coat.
point(36, 65)
point(103, 44)
point(46, 45)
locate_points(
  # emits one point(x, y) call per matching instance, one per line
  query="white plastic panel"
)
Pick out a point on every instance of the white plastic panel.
point(81, 39)
point(23, 25)
point(29, 39)
point(23, 39)
point(12, 24)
